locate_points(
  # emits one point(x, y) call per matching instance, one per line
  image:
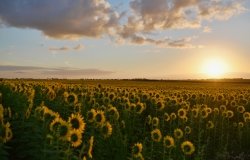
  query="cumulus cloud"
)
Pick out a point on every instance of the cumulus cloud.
point(148, 16)
point(10, 71)
point(60, 18)
point(67, 19)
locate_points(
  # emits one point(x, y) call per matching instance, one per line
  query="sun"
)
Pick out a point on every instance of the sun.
point(214, 68)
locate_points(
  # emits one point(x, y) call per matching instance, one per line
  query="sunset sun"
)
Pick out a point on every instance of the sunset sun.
point(214, 68)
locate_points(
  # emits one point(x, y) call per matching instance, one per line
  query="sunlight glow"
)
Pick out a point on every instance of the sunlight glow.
point(214, 68)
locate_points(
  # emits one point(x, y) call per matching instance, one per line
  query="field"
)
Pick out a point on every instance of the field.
point(124, 120)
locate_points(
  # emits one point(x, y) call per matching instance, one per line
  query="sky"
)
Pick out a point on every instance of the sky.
point(116, 39)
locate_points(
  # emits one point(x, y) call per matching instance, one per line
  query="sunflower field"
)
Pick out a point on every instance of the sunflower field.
point(66, 120)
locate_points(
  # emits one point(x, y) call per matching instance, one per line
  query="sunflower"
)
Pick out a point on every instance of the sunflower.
point(178, 133)
point(223, 108)
point(139, 108)
point(91, 144)
point(195, 112)
point(224, 114)
point(75, 137)
point(127, 106)
point(107, 130)
point(204, 113)
point(156, 135)
point(5, 132)
point(148, 120)
point(187, 130)
point(216, 111)
point(241, 124)
point(77, 122)
point(182, 113)
point(210, 125)
point(155, 122)
point(173, 116)
point(123, 124)
point(64, 130)
point(136, 149)
point(70, 98)
point(91, 115)
point(187, 148)
point(160, 105)
point(209, 110)
point(55, 124)
point(166, 117)
point(100, 117)
point(9, 134)
point(240, 109)
point(230, 114)
point(168, 142)
point(113, 112)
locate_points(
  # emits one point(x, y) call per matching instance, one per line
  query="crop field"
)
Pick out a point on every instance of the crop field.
point(124, 120)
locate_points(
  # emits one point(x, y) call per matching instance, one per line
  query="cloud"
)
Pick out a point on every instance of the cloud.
point(207, 29)
point(149, 16)
point(59, 49)
point(11, 71)
point(78, 47)
point(67, 19)
point(65, 48)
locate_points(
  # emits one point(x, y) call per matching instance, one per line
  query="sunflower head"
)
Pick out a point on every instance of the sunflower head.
point(106, 130)
point(71, 98)
point(137, 149)
point(156, 135)
point(187, 148)
point(168, 142)
point(230, 114)
point(63, 130)
point(166, 117)
point(113, 112)
point(178, 133)
point(240, 109)
point(155, 122)
point(182, 113)
point(173, 116)
point(195, 112)
point(216, 111)
point(187, 130)
point(148, 120)
point(160, 105)
point(75, 137)
point(203, 113)
point(139, 108)
point(77, 122)
point(91, 115)
point(100, 117)
point(5, 132)
point(210, 125)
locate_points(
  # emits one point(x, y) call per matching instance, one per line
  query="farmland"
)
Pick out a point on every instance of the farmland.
point(124, 119)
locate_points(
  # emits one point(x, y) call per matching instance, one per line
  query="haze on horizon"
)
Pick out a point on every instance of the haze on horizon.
point(161, 39)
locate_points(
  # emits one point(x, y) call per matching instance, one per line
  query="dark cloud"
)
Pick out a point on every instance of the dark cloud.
point(8, 71)
point(67, 19)
point(60, 18)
